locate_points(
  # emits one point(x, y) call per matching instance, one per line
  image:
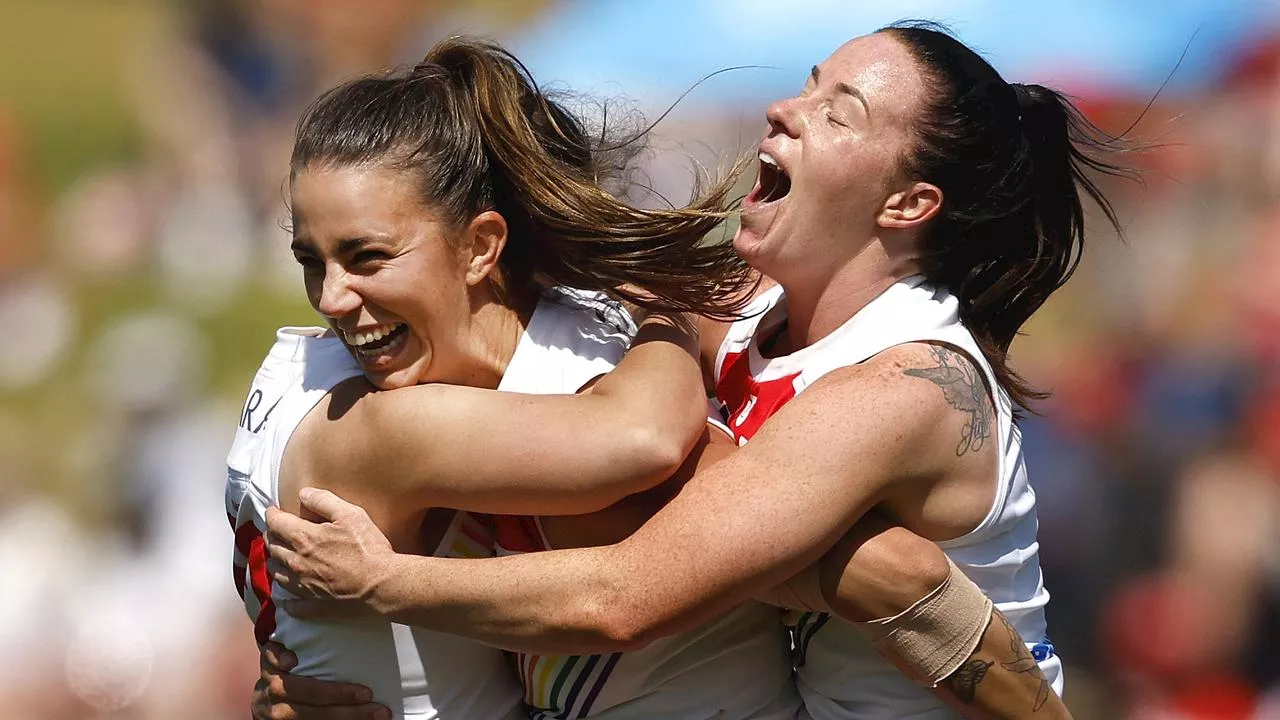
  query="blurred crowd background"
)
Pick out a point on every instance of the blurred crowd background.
point(144, 267)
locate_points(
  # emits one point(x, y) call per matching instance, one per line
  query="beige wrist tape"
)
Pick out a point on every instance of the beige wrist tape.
point(938, 633)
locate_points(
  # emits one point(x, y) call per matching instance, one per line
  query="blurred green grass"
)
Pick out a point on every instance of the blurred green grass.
point(64, 69)
point(63, 65)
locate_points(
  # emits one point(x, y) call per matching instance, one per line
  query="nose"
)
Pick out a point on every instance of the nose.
point(782, 117)
point(337, 297)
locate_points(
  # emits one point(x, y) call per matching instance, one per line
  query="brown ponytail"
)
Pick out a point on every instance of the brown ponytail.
point(470, 122)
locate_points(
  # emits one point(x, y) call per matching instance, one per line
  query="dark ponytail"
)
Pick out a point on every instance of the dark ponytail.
point(470, 122)
point(1010, 160)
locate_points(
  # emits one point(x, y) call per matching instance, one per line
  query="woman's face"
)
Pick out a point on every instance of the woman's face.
point(831, 161)
point(382, 270)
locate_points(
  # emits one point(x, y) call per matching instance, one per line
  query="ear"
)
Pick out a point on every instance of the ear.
point(910, 207)
point(483, 240)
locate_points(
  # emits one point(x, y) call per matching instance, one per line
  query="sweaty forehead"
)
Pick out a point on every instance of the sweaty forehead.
point(882, 69)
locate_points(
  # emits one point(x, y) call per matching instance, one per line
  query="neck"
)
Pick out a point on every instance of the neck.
point(817, 309)
point(496, 332)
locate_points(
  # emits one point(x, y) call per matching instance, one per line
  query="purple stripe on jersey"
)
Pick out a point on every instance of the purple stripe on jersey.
point(577, 685)
point(599, 685)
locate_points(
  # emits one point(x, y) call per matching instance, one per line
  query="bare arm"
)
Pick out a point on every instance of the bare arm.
point(1001, 679)
point(748, 522)
point(879, 570)
point(501, 452)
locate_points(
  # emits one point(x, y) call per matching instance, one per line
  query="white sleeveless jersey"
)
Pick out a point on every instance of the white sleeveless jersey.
point(733, 668)
point(417, 673)
point(838, 672)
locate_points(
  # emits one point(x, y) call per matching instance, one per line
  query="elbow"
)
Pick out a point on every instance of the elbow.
point(616, 626)
point(889, 571)
point(658, 453)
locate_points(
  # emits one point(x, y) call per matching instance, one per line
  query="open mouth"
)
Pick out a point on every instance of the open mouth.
point(772, 184)
point(380, 340)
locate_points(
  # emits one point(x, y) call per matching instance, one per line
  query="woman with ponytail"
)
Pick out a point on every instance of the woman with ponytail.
point(454, 233)
point(914, 210)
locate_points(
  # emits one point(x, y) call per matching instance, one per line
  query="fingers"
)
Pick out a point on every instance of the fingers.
point(285, 711)
point(325, 504)
point(278, 657)
point(280, 566)
point(286, 528)
point(299, 690)
point(282, 696)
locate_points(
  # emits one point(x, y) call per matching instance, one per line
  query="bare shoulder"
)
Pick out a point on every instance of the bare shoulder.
point(332, 437)
point(886, 386)
point(922, 402)
point(872, 407)
point(959, 389)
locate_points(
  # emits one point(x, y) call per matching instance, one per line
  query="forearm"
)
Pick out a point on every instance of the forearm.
point(555, 454)
point(556, 606)
point(802, 592)
point(671, 575)
point(1001, 679)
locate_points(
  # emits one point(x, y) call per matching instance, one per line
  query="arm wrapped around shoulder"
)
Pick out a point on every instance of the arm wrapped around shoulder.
point(938, 633)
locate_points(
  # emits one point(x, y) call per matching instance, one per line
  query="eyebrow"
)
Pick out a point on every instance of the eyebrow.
point(344, 246)
point(351, 244)
point(846, 88)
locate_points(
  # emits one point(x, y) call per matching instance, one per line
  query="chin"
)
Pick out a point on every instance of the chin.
point(750, 245)
point(387, 382)
point(395, 379)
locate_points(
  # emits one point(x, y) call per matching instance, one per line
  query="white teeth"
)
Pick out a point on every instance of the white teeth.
point(364, 338)
point(767, 159)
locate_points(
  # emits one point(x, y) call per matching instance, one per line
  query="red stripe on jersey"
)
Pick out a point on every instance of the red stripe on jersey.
point(237, 569)
point(245, 536)
point(517, 533)
point(750, 402)
point(260, 580)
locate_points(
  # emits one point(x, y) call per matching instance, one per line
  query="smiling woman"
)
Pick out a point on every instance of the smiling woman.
point(452, 230)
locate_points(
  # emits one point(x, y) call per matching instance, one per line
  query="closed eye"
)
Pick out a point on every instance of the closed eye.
point(833, 119)
point(367, 256)
point(308, 262)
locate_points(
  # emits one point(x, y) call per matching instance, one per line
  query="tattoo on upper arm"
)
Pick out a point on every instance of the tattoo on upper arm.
point(963, 387)
point(964, 681)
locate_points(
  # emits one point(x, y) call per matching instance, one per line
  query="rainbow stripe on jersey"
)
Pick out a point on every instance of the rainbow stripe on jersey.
point(556, 687)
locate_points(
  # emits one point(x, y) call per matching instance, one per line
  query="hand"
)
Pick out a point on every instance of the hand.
point(333, 566)
point(281, 696)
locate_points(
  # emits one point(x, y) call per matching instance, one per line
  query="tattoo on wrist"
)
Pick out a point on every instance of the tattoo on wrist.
point(965, 390)
point(1023, 662)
